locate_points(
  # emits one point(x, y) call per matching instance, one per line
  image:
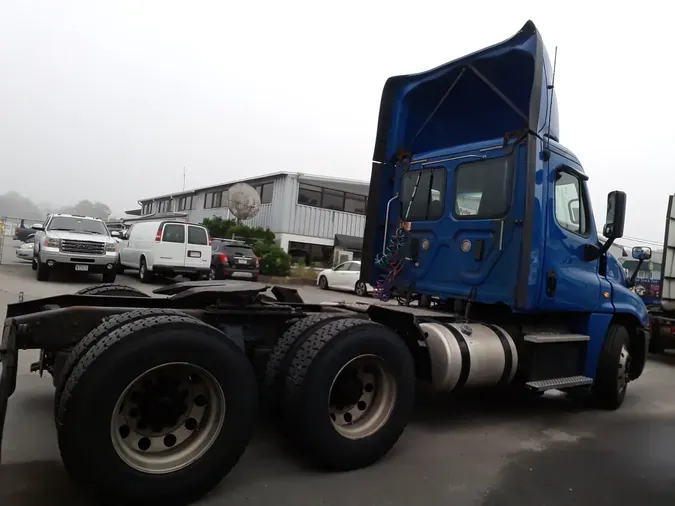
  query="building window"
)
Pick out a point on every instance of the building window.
point(165, 206)
point(308, 254)
point(309, 195)
point(214, 199)
point(332, 199)
point(335, 200)
point(266, 191)
point(355, 203)
point(483, 189)
point(570, 209)
point(186, 203)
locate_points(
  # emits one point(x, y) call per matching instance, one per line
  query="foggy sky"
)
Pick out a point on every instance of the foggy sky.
point(110, 100)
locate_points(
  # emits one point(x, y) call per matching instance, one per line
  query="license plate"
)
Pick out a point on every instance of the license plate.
point(242, 261)
point(82, 268)
point(195, 254)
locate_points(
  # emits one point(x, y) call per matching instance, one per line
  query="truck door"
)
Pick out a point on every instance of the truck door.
point(465, 221)
point(569, 283)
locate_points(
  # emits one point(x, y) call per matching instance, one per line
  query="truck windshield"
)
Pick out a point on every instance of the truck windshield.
point(80, 225)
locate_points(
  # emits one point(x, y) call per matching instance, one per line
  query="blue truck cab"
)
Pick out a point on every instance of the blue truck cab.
point(478, 210)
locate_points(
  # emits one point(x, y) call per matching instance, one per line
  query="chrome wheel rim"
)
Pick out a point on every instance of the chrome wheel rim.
point(167, 418)
point(212, 274)
point(622, 373)
point(360, 288)
point(362, 397)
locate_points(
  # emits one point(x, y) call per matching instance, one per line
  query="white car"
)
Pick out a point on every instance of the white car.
point(25, 251)
point(345, 276)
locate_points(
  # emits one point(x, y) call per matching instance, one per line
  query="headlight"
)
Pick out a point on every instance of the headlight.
point(52, 243)
point(111, 247)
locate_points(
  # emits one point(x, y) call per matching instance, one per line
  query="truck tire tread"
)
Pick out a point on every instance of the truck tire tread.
point(283, 351)
point(107, 325)
point(303, 419)
point(116, 483)
point(605, 388)
point(106, 288)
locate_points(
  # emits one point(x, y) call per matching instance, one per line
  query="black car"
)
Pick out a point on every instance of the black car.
point(24, 233)
point(233, 259)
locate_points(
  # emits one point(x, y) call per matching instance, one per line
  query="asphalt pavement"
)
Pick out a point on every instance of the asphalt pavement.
point(468, 449)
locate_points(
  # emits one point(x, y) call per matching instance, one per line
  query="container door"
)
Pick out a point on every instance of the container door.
point(569, 282)
point(172, 248)
point(198, 251)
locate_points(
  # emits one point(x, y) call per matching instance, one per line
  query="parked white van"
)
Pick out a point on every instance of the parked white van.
point(166, 248)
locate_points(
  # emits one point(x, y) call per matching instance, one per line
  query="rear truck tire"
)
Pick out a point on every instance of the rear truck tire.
point(115, 441)
point(120, 268)
point(349, 394)
point(323, 283)
point(107, 325)
point(213, 274)
point(112, 289)
point(361, 289)
point(285, 348)
point(42, 271)
point(143, 274)
point(611, 379)
point(109, 277)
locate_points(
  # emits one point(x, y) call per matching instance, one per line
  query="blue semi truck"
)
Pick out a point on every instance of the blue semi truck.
point(479, 221)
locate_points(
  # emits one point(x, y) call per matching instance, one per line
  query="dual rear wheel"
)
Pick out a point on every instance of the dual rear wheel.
point(156, 406)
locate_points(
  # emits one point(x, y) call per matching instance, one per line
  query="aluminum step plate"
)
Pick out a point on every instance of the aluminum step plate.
point(550, 337)
point(559, 383)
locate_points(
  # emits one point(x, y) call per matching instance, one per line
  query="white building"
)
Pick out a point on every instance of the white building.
point(305, 211)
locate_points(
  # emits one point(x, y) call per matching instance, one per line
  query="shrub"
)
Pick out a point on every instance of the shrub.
point(274, 261)
point(219, 227)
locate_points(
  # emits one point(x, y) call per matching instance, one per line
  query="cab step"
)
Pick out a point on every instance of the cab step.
point(554, 337)
point(559, 383)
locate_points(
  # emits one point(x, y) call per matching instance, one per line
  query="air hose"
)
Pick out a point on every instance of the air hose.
point(391, 262)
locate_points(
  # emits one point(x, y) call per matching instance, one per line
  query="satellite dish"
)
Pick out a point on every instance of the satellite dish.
point(243, 201)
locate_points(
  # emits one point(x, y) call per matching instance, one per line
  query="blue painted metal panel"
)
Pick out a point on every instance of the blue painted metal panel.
point(596, 328)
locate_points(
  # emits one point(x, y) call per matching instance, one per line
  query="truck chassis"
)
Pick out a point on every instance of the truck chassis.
point(156, 397)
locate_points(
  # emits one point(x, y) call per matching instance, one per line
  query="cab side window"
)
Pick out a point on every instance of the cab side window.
point(570, 203)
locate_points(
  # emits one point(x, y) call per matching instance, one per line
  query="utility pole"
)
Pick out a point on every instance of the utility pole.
point(183, 178)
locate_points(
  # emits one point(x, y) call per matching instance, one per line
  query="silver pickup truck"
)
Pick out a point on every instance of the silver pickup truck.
point(75, 243)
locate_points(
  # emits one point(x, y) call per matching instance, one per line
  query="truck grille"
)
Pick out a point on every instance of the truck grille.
point(84, 247)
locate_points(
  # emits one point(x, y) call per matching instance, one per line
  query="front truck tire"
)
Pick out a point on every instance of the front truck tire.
point(157, 412)
point(611, 380)
point(350, 390)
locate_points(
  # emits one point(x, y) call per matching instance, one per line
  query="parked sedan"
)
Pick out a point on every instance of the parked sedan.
point(233, 259)
point(25, 251)
point(345, 276)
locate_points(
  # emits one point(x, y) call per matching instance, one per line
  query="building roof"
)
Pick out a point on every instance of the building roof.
point(317, 179)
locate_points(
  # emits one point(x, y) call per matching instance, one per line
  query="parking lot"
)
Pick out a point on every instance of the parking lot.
point(472, 449)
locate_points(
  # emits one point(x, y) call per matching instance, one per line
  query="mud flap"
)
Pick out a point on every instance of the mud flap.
point(8, 370)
